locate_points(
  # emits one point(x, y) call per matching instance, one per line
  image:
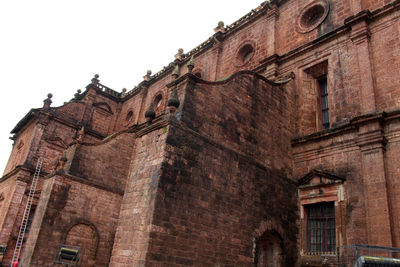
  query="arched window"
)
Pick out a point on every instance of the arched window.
point(158, 101)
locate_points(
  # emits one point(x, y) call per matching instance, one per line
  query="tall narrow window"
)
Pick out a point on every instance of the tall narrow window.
point(323, 87)
point(321, 235)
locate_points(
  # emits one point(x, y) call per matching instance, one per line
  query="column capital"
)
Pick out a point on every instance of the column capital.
point(359, 26)
point(371, 136)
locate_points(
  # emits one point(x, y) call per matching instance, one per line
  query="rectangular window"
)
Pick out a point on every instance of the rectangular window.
point(3, 249)
point(323, 88)
point(321, 234)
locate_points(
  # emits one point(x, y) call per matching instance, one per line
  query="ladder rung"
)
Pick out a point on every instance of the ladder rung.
point(27, 210)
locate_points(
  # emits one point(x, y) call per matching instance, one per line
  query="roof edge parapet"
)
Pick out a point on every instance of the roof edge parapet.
point(228, 29)
point(184, 57)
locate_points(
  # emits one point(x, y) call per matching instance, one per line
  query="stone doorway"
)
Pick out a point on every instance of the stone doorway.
point(269, 250)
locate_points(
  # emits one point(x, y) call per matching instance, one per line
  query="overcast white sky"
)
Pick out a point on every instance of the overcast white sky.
point(54, 46)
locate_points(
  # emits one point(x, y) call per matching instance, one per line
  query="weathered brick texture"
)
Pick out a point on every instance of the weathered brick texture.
point(211, 203)
point(137, 208)
point(238, 148)
point(245, 113)
point(65, 206)
point(106, 163)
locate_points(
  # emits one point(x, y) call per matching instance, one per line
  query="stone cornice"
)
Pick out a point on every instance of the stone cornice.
point(364, 15)
point(137, 130)
point(31, 114)
point(189, 76)
point(86, 181)
point(379, 117)
point(359, 26)
point(353, 125)
point(20, 168)
point(360, 35)
point(371, 140)
point(275, 58)
point(71, 124)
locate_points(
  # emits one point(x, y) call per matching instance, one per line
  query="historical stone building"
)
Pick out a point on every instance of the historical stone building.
point(272, 143)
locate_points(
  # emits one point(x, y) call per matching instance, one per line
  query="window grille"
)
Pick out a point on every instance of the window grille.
point(321, 233)
point(323, 87)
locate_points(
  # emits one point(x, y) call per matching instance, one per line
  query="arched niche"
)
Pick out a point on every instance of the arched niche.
point(269, 250)
point(85, 236)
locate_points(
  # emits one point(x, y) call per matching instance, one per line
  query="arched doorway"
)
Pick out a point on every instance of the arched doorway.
point(269, 250)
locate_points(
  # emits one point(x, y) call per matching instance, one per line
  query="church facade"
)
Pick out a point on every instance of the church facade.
point(273, 143)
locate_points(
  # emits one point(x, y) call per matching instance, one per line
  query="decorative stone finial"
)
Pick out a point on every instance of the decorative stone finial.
point(78, 93)
point(190, 64)
point(62, 161)
point(47, 102)
point(95, 79)
point(150, 114)
point(220, 27)
point(175, 72)
point(180, 54)
point(80, 134)
point(59, 163)
point(64, 157)
point(173, 102)
point(123, 92)
point(147, 77)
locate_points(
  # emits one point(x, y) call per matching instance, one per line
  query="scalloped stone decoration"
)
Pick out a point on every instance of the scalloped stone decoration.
point(312, 16)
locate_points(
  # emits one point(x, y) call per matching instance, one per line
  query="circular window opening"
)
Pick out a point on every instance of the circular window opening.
point(129, 116)
point(245, 53)
point(158, 101)
point(312, 16)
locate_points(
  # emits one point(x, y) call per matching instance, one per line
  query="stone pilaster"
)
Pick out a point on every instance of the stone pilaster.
point(355, 6)
point(360, 36)
point(372, 143)
point(272, 67)
point(216, 52)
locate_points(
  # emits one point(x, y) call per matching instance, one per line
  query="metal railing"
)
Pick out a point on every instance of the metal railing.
point(68, 255)
point(348, 255)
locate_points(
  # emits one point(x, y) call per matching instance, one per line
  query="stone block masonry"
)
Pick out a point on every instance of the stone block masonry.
point(272, 143)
